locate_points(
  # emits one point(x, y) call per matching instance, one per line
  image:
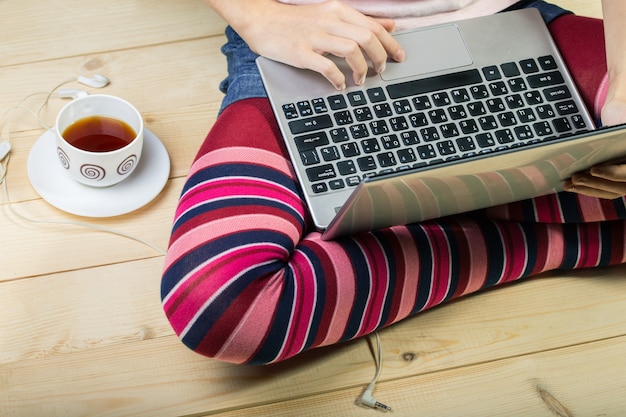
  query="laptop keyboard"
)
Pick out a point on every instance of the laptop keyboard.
point(345, 137)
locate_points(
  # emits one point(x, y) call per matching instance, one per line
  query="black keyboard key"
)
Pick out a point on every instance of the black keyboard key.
point(438, 116)
point(418, 119)
point(379, 127)
point(339, 135)
point(479, 92)
point(386, 159)
point(466, 144)
point(545, 111)
point(523, 132)
point(432, 84)
point(353, 181)
point(330, 153)
point(370, 145)
point(457, 112)
point(319, 105)
point(449, 130)
point(517, 84)
point(566, 107)
point(469, 126)
point(476, 109)
point(529, 66)
point(495, 105)
point(321, 173)
point(460, 95)
point(579, 122)
point(346, 167)
point(310, 124)
point(514, 102)
point(337, 102)
point(491, 73)
point(504, 136)
point(441, 99)
point(290, 112)
point(319, 188)
point(359, 131)
point(533, 98)
point(507, 119)
point(426, 151)
point(376, 94)
point(545, 80)
point(526, 115)
point(406, 156)
point(383, 110)
point(409, 138)
point(311, 141)
point(488, 122)
point(337, 184)
point(543, 129)
point(366, 163)
point(363, 114)
point(402, 106)
point(305, 109)
point(430, 134)
point(357, 98)
point(390, 141)
point(350, 149)
point(422, 103)
point(498, 88)
point(557, 93)
point(510, 69)
point(398, 123)
point(547, 63)
point(485, 140)
point(309, 157)
point(446, 147)
point(562, 125)
point(343, 117)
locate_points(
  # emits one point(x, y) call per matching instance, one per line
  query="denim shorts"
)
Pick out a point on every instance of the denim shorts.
point(244, 81)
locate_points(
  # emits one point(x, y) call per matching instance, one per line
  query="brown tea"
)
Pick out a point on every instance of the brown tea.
point(99, 134)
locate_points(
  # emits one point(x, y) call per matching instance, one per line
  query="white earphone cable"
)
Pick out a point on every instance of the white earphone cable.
point(367, 398)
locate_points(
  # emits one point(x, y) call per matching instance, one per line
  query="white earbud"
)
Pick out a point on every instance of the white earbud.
point(97, 81)
point(5, 148)
point(71, 93)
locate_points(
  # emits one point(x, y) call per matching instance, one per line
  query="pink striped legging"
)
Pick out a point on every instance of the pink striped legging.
point(248, 280)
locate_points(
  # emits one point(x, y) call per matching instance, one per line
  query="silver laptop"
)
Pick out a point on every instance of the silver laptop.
point(482, 112)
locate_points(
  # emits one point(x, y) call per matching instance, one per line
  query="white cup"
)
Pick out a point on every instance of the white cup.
point(86, 161)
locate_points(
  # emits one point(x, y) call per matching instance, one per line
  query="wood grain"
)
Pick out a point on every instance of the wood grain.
point(82, 330)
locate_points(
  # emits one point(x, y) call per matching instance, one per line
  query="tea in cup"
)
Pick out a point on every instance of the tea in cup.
point(99, 139)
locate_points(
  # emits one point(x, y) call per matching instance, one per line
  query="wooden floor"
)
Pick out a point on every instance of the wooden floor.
point(82, 332)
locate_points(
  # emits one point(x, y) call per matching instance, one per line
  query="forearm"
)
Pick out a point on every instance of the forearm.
point(241, 14)
point(614, 14)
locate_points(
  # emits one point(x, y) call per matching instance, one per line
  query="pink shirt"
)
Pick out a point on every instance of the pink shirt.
point(415, 13)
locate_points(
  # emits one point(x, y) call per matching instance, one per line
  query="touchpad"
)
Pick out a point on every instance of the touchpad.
point(429, 50)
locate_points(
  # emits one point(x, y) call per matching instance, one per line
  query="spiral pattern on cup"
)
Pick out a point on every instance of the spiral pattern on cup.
point(127, 165)
point(65, 160)
point(92, 172)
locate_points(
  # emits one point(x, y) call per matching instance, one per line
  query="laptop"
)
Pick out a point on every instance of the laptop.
point(482, 112)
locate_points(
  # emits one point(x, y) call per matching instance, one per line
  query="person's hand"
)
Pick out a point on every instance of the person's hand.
point(603, 181)
point(303, 36)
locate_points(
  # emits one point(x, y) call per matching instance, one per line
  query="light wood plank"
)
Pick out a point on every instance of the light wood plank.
point(44, 31)
point(543, 384)
point(44, 248)
point(591, 8)
point(451, 338)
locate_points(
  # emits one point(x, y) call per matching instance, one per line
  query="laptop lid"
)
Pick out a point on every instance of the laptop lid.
point(469, 58)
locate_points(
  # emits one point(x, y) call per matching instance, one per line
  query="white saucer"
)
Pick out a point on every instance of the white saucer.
point(54, 185)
